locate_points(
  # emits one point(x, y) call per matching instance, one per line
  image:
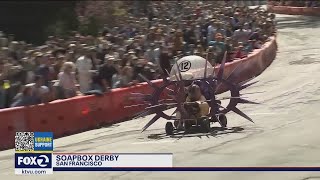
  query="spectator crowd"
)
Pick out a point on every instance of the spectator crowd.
point(147, 43)
point(296, 3)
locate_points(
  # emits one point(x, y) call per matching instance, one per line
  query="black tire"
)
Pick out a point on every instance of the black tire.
point(223, 121)
point(205, 125)
point(169, 128)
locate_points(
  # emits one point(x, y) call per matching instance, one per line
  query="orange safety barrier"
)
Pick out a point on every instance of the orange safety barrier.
point(12, 120)
point(78, 114)
point(307, 11)
point(253, 65)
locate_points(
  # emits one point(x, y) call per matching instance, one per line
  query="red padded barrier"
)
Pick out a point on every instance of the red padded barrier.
point(63, 117)
point(66, 117)
point(11, 121)
point(312, 11)
point(253, 65)
point(296, 10)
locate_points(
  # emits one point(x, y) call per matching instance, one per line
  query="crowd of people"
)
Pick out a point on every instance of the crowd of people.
point(147, 43)
point(297, 3)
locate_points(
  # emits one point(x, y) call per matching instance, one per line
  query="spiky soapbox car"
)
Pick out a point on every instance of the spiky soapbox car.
point(185, 72)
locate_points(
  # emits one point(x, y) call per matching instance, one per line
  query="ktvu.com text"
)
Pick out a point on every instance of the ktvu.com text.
point(33, 172)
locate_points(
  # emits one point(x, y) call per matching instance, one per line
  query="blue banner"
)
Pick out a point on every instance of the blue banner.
point(43, 141)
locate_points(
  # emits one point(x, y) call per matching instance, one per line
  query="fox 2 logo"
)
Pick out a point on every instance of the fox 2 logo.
point(30, 160)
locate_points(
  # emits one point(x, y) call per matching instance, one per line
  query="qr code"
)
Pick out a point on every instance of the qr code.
point(24, 141)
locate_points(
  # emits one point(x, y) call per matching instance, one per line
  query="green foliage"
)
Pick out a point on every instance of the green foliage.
point(92, 27)
point(65, 21)
point(34, 21)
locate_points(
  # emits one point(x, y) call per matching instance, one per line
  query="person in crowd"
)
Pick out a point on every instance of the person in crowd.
point(98, 83)
point(240, 52)
point(164, 61)
point(112, 53)
point(211, 31)
point(13, 50)
point(126, 76)
point(67, 80)
point(3, 86)
point(178, 42)
point(107, 70)
point(84, 66)
point(220, 29)
point(117, 79)
point(235, 21)
point(228, 31)
point(241, 35)
point(40, 92)
point(25, 98)
point(44, 68)
point(229, 49)
point(219, 46)
point(29, 66)
point(57, 65)
point(151, 54)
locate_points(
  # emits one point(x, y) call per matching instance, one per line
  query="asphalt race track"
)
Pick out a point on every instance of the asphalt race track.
point(285, 133)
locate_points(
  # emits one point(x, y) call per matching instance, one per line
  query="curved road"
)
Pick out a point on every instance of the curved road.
point(285, 132)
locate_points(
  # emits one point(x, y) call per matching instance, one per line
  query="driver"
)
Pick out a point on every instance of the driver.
point(200, 107)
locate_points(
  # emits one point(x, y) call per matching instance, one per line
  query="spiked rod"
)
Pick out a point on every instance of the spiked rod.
point(180, 76)
point(244, 101)
point(234, 73)
point(247, 85)
point(221, 69)
point(167, 72)
point(238, 111)
point(147, 80)
point(142, 114)
point(153, 120)
point(168, 75)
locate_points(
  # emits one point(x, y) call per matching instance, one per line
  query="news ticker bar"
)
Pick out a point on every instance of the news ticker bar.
point(248, 169)
point(112, 160)
point(44, 163)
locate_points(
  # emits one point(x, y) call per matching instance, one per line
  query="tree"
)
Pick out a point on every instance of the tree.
point(94, 15)
point(31, 20)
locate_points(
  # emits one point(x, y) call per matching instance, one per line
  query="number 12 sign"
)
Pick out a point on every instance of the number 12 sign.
point(184, 66)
